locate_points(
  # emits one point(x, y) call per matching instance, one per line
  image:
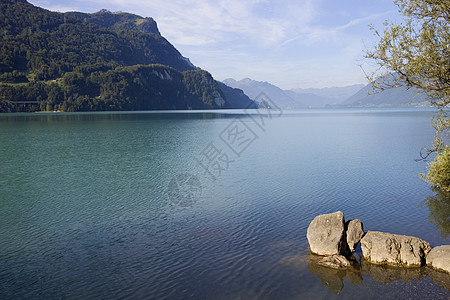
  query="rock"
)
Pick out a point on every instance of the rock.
point(335, 261)
point(325, 234)
point(439, 258)
point(386, 248)
point(354, 232)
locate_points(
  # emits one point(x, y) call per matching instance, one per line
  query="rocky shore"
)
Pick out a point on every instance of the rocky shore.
point(335, 240)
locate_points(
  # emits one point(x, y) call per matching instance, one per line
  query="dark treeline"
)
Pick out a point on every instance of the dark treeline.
point(124, 88)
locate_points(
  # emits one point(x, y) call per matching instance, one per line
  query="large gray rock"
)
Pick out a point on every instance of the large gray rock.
point(386, 248)
point(326, 234)
point(355, 231)
point(439, 258)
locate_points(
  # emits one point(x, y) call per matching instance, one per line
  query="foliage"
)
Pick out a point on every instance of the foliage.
point(201, 85)
point(439, 170)
point(416, 54)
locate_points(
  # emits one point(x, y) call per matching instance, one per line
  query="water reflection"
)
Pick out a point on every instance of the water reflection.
point(333, 278)
point(389, 274)
point(49, 117)
point(439, 207)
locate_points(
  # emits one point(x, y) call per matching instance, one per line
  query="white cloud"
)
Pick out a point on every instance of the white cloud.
point(364, 20)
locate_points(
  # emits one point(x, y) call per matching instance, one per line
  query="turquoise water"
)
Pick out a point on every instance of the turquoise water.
point(208, 205)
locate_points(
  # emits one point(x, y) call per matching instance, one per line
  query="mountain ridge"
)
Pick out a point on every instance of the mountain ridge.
point(343, 96)
point(334, 92)
point(395, 97)
point(117, 20)
point(285, 99)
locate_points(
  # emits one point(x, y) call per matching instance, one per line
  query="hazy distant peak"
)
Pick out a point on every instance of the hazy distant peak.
point(246, 80)
point(229, 81)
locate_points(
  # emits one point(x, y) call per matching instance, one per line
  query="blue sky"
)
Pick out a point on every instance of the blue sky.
point(290, 43)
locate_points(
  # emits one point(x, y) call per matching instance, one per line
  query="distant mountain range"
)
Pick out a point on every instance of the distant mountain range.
point(396, 97)
point(356, 95)
point(103, 61)
point(337, 93)
point(285, 99)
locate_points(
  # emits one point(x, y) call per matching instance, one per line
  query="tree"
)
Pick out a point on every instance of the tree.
point(416, 54)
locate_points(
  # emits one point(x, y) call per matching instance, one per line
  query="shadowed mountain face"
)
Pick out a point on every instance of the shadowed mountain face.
point(103, 61)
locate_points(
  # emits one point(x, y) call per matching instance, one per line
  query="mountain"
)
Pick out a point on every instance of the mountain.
point(349, 96)
point(338, 93)
point(117, 20)
point(254, 88)
point(102, 61)
point(396, 97)
point(285, 99)
point(236, 97)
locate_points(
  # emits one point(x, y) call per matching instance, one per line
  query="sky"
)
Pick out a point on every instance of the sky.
point(289, 43)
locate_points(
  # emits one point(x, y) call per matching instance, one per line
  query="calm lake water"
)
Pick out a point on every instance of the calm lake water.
point(209, 205)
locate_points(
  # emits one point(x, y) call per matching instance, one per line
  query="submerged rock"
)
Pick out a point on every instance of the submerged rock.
point(335, 261)
point(439, 258)
point(386, 248)
point(326, 234)
point(354, 233)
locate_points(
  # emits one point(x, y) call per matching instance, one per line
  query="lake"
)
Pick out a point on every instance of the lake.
point(210, 204)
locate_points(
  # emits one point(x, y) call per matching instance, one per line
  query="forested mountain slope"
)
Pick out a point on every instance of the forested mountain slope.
point(103, 61)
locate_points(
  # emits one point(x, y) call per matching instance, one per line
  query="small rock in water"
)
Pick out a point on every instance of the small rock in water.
point(439, 258)
point(355, 231)
point(325, 234)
